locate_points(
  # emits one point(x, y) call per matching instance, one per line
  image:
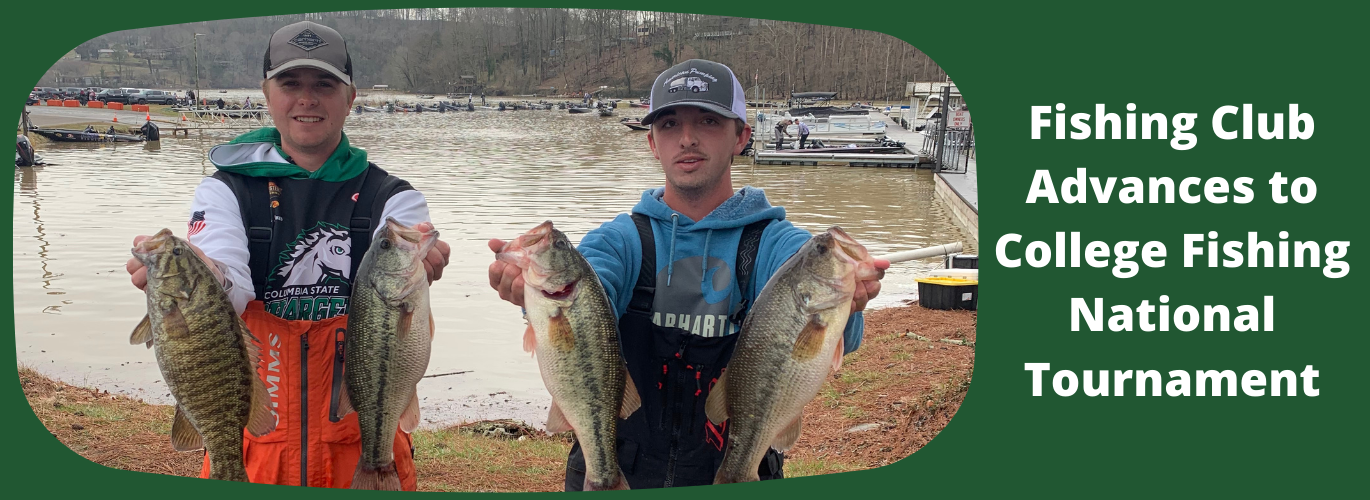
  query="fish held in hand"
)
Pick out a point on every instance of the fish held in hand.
point(574, 334)
point(389, 338)
point(790, 342)
point(207, 356)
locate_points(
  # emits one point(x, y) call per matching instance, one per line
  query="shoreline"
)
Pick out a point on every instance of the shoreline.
point(863, 418)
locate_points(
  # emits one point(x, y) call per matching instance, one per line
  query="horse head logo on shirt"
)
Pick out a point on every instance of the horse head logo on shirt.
point(316, 256)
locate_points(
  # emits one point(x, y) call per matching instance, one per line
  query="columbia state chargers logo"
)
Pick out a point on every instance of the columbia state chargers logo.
point(307, 40)
point(312, 280)
point(321, 254)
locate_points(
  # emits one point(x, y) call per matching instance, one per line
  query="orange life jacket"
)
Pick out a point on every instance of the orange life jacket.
point(302, 367)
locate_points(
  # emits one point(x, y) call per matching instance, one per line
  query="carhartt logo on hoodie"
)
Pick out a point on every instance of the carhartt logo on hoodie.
point(696, 300)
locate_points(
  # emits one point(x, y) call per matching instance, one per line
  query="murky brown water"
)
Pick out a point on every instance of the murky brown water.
point(486, 174)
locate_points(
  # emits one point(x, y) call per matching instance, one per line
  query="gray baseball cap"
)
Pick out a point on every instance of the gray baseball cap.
point(700, 83)
point(307, 45)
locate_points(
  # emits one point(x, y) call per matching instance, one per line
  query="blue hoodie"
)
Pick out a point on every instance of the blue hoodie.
point(682, 246)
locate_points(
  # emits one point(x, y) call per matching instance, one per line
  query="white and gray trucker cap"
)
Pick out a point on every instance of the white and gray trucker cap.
point(700, 83)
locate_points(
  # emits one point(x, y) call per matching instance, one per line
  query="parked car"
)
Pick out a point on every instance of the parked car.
point(152, 97)
point(71, 92)
point(46, 92)
point(33, 99)
point(112, 95)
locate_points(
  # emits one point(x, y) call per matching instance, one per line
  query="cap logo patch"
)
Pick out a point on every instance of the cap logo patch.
point(680, 81)
point(307, 40)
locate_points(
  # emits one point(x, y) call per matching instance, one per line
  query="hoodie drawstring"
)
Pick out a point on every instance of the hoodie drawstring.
point(670, 263)
point(704, 274)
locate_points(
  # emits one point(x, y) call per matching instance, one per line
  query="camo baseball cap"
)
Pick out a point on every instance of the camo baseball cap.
point(308, 45)
point(700, 83)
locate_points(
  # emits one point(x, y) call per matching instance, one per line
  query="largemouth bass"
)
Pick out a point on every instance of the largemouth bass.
point(389, 337)
point(207, 357)
point(574, 334)
point(790, 342)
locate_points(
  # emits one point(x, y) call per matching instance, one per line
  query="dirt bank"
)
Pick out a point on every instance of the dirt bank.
point(891, 397)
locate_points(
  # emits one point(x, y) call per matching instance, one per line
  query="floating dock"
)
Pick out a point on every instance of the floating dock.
point(784, 157)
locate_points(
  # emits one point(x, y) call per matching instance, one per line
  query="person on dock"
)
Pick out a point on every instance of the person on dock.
point(781, 132)
point(299, 193)
point(669, 258)
point(803, 131)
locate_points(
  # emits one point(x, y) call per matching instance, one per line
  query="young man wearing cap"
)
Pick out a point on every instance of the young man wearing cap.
point(284, 222)
point(682, 270)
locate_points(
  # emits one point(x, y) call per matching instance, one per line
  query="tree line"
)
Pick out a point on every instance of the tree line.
point(527, 51)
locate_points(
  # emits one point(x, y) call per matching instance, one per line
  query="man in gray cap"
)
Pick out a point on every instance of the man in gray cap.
point(682, 270)
point(284, 222)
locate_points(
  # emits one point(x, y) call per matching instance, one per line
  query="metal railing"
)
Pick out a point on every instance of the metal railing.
point(950, 148)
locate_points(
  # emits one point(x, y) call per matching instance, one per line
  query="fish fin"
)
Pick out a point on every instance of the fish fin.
point(254, 351)
point(432, 329)
point(837, 354)
point(810, 339)
point(556, 421)
point(530, 339)
point(259, 418)
point(344, 402)
point(142, 333)
point(174, 322)
point(184, 437)
point(406, 322)
point(560, 333)
point(716, 405)
point(384, 478)
point(631, 400)
point(409, 420)
point(727, 477)
point(618, 482)
point(787, 437)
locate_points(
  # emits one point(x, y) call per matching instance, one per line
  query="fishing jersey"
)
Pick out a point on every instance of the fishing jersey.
point(303, 260)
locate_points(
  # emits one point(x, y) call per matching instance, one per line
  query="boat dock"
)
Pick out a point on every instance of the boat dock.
point(910, 159)
point(958, 189)
point(844, 159)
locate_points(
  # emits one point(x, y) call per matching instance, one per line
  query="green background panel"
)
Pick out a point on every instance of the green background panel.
point(1165, 57)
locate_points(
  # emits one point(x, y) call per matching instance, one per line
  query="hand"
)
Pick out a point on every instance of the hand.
point(506, 278)
point(437, 257)
point(138, 272)
point(868, 289)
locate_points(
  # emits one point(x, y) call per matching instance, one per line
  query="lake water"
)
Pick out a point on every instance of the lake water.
point(485, 174)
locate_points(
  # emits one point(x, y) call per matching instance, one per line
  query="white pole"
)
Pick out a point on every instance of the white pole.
point(922, 253)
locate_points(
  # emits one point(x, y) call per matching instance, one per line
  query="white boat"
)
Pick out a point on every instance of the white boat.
point(820, 126)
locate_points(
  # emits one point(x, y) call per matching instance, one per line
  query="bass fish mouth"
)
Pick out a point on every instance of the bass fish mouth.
point(397, 233)
point(536, 235)
point(565, 293)
point(850, 250)
point(152, 245)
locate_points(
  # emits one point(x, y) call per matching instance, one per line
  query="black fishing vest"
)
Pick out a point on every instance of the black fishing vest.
point(305, 240)
point(669, 441)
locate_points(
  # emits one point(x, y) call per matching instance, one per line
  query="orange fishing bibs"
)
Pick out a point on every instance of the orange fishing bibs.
point(302, 364)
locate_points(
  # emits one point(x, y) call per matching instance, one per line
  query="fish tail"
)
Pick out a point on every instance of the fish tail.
point(725, 476)
point(384, 478)
point(227, 470)
point(617, 482)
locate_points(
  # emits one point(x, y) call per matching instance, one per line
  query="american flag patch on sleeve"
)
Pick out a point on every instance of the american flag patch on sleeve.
point(196, 224)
